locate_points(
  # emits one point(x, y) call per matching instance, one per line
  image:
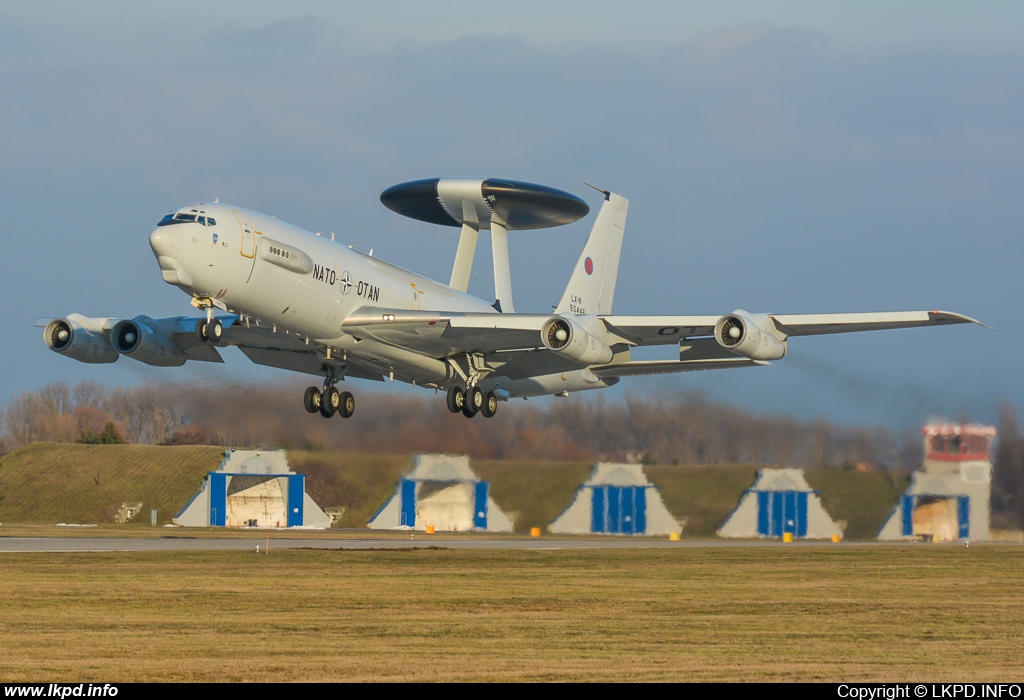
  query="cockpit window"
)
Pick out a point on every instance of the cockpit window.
point(183, 218)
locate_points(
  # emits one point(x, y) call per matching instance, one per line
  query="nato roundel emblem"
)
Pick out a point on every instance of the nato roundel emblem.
point(588, 265)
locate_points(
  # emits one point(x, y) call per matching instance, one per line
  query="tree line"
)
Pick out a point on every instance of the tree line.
point(681, 429)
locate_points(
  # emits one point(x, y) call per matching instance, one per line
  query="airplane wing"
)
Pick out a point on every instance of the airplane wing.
point(659, 330)
point(89, 339)
point(265, 345)
point(820, 324)
point(666, 330)
point(441, 334)
point(641, 368)
point(515, 345)
point(170, 342)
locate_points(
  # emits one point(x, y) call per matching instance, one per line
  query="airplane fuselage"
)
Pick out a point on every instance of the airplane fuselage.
point(258, 266)
point(305, 284)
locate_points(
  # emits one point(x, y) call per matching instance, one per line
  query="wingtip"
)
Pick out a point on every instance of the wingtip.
point(961, 318)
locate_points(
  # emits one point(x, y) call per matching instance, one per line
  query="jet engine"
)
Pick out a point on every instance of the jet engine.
point(748, 336)
point(565, 336)
point(79, 338)
point(140, 342)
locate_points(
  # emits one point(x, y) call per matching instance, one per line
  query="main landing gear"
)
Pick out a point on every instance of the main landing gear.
point(329, 401)
point(471, 401)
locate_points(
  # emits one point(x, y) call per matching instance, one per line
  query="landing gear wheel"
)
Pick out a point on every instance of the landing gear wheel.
point(490, 406)
point(201, 335)
point(330, 401)
point(456, 400)
point(474, 401)
point(347, 404)
point(214, 330)
point(311, 399)
point(475, 398)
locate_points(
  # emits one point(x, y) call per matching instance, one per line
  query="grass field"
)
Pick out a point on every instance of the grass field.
point(842, 613)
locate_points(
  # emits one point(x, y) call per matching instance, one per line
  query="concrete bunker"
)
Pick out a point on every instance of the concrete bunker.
point(780, 503)
point(617, 499)
point(252, 488)
point(440, 491)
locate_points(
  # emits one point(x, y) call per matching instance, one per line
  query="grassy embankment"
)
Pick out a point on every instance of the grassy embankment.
point(49, 483)
point(830, 613)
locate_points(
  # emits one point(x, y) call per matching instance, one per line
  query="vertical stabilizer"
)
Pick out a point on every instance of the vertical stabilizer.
point(591, 287)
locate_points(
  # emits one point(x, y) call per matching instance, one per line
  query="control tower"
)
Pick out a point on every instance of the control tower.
point(949, 498)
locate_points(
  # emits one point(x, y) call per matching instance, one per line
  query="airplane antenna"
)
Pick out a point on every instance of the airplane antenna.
point(606, 193)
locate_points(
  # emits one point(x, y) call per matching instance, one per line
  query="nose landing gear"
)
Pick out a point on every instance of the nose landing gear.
point(209, 331)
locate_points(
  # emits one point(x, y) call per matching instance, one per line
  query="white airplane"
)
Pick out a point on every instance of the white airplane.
point(300, 301)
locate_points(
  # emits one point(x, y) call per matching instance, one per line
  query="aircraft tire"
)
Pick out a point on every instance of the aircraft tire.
point(456, 399)
point(214, 331)
point(201, 335)
point(330, 401)
point(475, 398)
point(311, 399)
point(347, 405)
point(490, 406)
point(467, 411)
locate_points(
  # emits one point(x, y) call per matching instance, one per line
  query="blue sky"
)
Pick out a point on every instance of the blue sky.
point(780, 157)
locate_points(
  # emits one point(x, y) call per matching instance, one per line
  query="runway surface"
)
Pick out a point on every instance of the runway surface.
point(165, 543)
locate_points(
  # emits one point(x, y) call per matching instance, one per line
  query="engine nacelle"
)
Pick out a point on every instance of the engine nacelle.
point(79, 338)
point(567, 337)
point(744, 335)
point(140, 342)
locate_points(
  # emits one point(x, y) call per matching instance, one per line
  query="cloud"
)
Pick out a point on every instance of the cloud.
point(289, 38)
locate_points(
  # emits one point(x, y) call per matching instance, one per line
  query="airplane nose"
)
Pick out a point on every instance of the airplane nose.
point(165, 241)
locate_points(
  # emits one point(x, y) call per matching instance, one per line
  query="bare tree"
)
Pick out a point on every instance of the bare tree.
point(1008, 466)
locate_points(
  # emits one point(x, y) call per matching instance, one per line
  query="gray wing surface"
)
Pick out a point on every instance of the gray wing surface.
point(440, 334)
point(659, 330)
point(642, 368)
point(821, 324)
point(266, 346)
point(665, 330)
